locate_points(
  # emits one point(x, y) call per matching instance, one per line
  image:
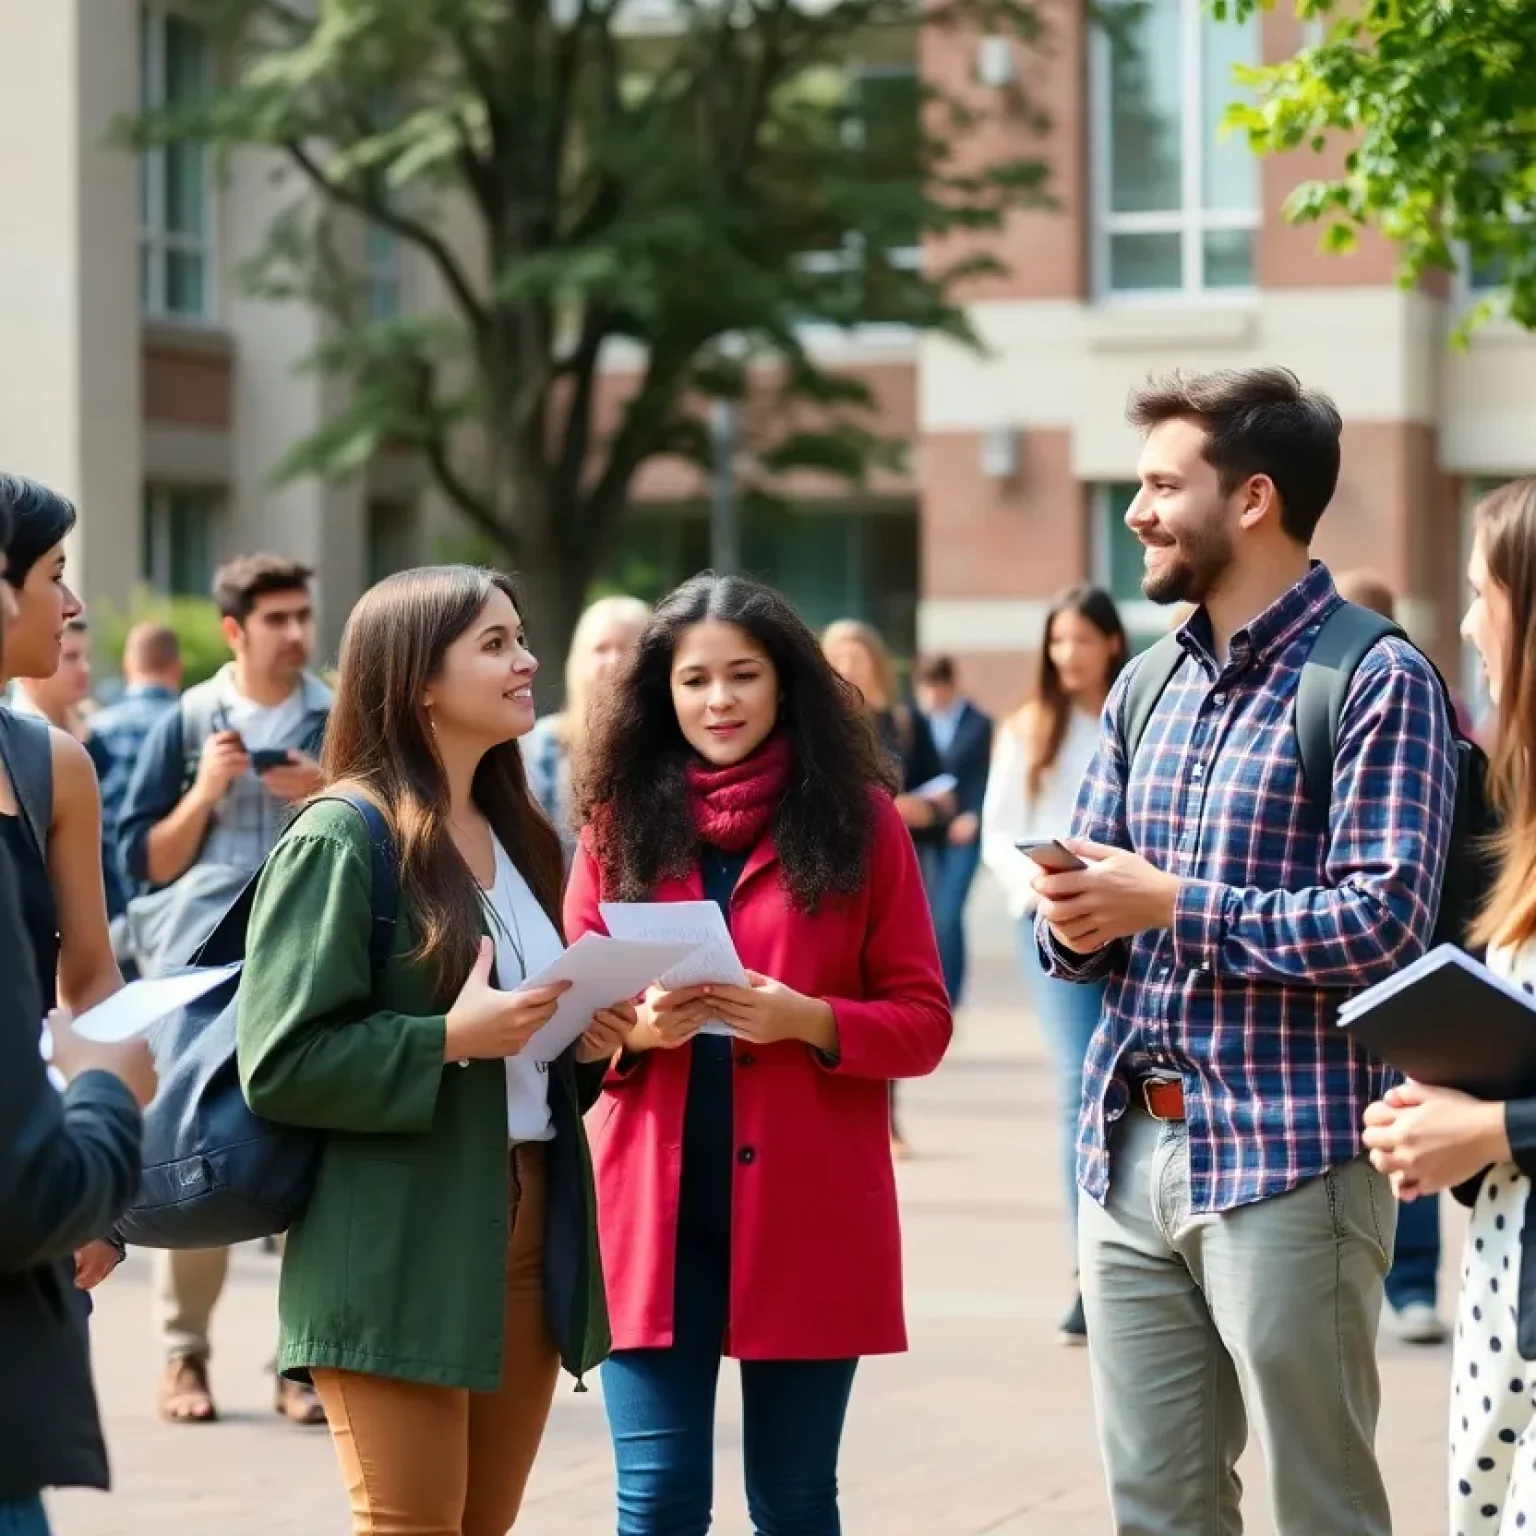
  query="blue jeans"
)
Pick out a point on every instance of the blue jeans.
point(24, 1517)
point(1068, 1013)
point(948, 870)
point(1415, 1271)
point(661, 1402)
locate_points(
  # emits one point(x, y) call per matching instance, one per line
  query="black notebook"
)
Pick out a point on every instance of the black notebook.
point(1449, 1021)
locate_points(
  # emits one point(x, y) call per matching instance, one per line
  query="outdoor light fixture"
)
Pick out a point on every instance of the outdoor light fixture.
point(994, 61)
point(1000, 453)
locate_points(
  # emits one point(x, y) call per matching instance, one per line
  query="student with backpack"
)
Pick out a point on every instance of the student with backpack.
point(446, 1263)
point(217, 779)
point(1234, 1240)
point(68, 1164)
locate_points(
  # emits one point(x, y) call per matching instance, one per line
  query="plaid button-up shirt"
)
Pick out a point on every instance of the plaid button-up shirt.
point(1276, 923)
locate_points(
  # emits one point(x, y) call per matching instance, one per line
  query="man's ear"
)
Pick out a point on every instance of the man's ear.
point(1260, 499)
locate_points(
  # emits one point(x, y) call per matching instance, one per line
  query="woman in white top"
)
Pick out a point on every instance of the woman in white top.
point(1041, 758)
point(1431, 1139)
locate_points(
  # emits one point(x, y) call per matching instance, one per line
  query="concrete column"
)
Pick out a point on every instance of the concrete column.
point(69, 378)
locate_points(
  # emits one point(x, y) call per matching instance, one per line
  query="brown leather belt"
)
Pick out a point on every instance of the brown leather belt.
point(1161, 1097)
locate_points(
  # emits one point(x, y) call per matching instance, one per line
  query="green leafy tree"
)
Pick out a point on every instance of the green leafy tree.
point(695, 188)
point(1436, 101)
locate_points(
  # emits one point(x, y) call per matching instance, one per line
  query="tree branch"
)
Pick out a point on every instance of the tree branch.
point(381, 212)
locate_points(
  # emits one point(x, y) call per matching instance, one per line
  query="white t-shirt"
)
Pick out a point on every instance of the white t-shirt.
point(519, 923)
point(1009, 813)
point(265, 726)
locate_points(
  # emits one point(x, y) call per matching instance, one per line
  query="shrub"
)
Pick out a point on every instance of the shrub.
point(195, 620)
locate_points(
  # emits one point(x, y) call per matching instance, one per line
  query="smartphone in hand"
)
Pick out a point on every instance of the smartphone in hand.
point(1051, 854)
point(265, 759)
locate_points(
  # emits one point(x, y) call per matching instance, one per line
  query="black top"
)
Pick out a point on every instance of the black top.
point(39, 912)
point(68, 1165)
point(704, 1195)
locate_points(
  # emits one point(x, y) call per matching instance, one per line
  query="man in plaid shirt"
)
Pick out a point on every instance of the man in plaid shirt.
point(1235, 1240)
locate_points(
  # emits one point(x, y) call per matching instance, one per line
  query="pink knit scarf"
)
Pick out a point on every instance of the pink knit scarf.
point(732, 807)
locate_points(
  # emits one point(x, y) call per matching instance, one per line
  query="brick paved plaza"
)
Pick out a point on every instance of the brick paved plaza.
point(984, 1428)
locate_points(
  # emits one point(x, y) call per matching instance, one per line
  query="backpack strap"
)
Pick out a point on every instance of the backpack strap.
point(385, 882)
point(1341, 644)
point(26, 748)
point(1154, 671)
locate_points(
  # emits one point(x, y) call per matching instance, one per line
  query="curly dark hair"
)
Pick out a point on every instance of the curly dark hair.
point(632, 786)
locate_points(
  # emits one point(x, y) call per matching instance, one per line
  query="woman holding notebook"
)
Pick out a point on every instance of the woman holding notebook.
point(1430, 1139)
point(747, 1200)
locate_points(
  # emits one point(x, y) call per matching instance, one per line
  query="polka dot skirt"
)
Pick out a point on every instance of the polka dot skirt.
point(1493, 1401)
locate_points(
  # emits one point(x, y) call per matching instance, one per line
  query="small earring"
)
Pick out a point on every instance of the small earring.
point(431, 723)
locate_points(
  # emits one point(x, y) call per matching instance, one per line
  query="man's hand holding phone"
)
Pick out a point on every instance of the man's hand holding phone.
point(1114, 894)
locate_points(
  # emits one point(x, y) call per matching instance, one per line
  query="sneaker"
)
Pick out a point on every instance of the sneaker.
point(1419, 1323)
point(1074, 1327)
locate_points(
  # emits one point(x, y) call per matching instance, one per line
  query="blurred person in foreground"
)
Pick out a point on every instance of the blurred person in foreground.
point(1413, 1281)
point(1429, 1139)
point(69, 1164)
point(63, 697)
point(116, 735)
point(1043, 754)
point(951, 850)
point(601, 647)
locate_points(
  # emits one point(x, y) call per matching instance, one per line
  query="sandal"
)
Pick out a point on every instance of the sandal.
point(184, 1394)
point(299, 1402)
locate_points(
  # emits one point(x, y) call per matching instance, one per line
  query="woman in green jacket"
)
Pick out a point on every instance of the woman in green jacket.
point(447, 1262)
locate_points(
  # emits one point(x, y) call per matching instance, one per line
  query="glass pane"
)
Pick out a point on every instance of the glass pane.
point(1491, 272)
point(185, 189)
point(146, 279)
point(148, 526)
point(889, 103)
point(1228, 258)
point(1229, 177)
point(1139, 263)
point(184, 283)
point(190, 517)
point(1146, 92)
point(1121, 551)
point(186, 61)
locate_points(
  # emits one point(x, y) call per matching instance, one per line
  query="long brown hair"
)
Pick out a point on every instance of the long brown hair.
point(1049, 709)
point(1506, 527)
point(379, 741)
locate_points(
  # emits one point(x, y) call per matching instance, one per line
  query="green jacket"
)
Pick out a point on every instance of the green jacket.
point(397, 1267)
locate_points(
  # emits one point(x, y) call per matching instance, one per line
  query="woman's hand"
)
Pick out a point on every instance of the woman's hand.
point(607, 1034)
point(768, 1011)
point(666, 1020)
point(916, 812)
point(1429, 1139)
point(95, 1262)
point(485, 1022)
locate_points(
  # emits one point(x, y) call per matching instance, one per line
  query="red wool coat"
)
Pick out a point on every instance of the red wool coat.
point(815, 1238)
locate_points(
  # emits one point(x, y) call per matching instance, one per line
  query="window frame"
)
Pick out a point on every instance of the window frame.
point(1191, 221)
point(156, 240)
point(1144, 620)
point(157, 534)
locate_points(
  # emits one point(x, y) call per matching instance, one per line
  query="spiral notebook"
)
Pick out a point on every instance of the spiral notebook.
point(1449, 1021)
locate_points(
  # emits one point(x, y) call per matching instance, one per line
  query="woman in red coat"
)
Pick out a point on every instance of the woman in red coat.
point(747, 1202)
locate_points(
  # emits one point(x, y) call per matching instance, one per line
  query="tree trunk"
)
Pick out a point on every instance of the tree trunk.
point(554, 586)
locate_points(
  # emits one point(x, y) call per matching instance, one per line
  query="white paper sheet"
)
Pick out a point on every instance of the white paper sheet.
point(602, 971)
point(944, 784)
point(132, 1010)
point(701, 925)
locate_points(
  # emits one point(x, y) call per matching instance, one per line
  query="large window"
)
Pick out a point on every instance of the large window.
point(832, 563)
point(179, 540)
point(175, 190)
point(1176, 205)
point(1118, 559)
point(882, 127)
point(382, 254)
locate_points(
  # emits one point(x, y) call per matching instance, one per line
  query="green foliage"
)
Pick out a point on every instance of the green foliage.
point(194, 619)
point(1435, 102)
point(696, 190)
